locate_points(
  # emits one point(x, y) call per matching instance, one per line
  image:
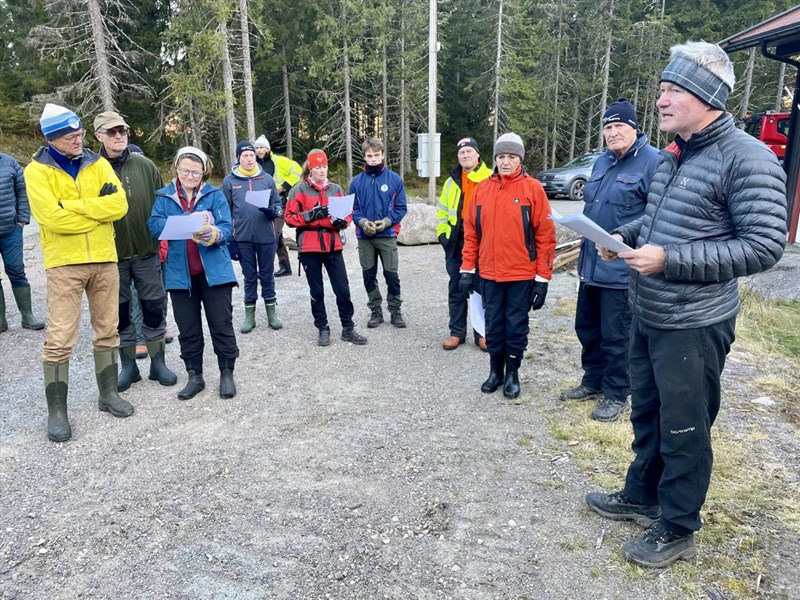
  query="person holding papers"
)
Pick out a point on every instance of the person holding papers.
point(615, 194)
point(199, 269)
point(320, 241)
point(511, 241)
point(255, 204)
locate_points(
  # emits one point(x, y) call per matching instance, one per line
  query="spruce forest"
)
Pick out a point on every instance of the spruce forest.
point(327, 73)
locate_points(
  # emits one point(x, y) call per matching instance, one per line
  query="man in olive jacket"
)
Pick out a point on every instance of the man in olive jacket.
point(716, 211)
point(137, 252)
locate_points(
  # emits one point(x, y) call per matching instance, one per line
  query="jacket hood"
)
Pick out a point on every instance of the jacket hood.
point(43, 156)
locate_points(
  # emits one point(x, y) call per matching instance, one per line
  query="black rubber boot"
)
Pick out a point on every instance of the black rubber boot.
point(129, 373)
point(194, 385)
point(158, 366)
point(227, 388)
point(56, 386)
point(105, 371)
point(511, 388)
point(495, 380)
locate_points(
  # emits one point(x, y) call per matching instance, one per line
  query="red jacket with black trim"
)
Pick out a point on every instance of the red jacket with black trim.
point(319, 235)
point(507, 232)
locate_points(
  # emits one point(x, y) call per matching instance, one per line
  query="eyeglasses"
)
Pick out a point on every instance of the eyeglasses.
point(189, 173)
point(74, 136)
point(121, 131)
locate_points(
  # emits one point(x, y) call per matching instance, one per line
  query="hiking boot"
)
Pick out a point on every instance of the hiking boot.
point(283, 271)
point(349, 334)
point(610, 409)
point(659, 547)
point(619, 507)
point(511, 387)
point(129, 374)
point(274, 322)
point(22, 295)
point(397, 320)
point(141, 351)
point(582, 392)
point(168, 338)
point(194, 385)
point(105, 371)
point(452, 342)
point(496, 365)
point(480, 342)
point(324, 338)
point(249, 318)
point(375, 319)
point(159, 371)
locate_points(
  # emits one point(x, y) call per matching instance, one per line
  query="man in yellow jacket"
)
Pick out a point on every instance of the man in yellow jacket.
point(456, 196)
point(75, 197)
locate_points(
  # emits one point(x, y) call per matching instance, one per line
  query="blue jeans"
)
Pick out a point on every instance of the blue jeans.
point(11, 251)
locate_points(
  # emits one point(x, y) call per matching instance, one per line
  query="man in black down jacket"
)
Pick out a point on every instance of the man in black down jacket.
point(716, 211)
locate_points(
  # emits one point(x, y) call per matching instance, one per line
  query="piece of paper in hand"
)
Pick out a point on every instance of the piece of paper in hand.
point(477, 316)
point(580, 223)
point(340, 207)
point(182, 227)
point(259, 198)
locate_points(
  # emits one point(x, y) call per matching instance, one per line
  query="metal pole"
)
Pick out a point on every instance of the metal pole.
point(432, 104)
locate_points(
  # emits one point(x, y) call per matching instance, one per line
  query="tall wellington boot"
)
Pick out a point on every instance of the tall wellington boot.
point(56, 386)
point(105, 371)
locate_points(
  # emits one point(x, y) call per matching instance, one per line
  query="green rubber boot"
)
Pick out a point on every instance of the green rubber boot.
point(274, 322)
point(3, 322)
point(23, 297)
point(249, 318)
point(56, 386)
point(105, 371)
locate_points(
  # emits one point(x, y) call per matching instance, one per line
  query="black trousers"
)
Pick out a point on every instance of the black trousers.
point(145, 274)
point(507, 305)
point(675, 390)
point(333, 262)
point(457, 302)
point(603, 326)
point(217, 304)
point(258, 264)
point(280, 250)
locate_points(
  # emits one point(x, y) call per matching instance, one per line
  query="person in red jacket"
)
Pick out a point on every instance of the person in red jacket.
point(509, 237)
point(320, 243)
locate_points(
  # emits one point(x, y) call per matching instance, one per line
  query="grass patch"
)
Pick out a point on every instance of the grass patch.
point(769, 325)
point(574, 545)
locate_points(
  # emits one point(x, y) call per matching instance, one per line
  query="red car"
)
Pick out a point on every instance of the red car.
point(772, 128)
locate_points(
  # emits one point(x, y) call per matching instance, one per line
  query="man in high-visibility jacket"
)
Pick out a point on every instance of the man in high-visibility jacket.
point(456, 195)
point(286, 173)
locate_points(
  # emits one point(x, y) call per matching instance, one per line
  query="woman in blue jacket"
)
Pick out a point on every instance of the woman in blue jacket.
point(199, 270)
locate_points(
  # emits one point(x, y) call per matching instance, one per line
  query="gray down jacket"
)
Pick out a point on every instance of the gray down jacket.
point(13, 199)
point(717, 205)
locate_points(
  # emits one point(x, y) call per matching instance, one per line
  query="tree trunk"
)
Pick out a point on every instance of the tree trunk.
point(248, 75)
point(497, 79)
point(385, 89)
point(590, 114)
point(404, 146)
point(606, 70)
point(227, 82)
point(748, 84)
point(287, 106)
point(781, 77)
point(194, 119)
point(573, 134)
point(348, 133)
point(555, 94)
point(101, 55)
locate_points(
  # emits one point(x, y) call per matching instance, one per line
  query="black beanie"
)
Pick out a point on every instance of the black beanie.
point(468, 141)
point(621, 111)
point(243, 147)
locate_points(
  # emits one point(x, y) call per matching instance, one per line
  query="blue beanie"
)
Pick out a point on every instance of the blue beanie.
point(621, 111)
point(244, 147)
point(57, 121)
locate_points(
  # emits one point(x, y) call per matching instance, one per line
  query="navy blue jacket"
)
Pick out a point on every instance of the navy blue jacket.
point(615, 194)
point(379, 196)
point(216, 259)
point(249, 223)
point(14, 206)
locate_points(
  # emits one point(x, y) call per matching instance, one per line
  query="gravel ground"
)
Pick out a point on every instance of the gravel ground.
point(343, 472)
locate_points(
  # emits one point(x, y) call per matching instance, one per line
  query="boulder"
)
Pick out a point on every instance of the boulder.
point(419, 225)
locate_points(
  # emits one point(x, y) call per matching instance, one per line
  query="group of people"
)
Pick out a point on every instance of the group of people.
point(655, 321)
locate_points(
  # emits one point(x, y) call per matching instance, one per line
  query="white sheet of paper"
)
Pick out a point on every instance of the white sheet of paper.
point(476, 314)
point(259, 198)
point(182, 227)
point(580, 223)
point(340, 207)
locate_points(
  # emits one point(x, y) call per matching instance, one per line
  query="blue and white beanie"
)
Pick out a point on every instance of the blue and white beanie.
point(57, 121)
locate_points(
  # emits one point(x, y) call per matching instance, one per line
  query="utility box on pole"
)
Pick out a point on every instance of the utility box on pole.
point(423, 152)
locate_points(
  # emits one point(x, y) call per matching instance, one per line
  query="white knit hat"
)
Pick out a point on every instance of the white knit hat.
point(263, 142)
point(192, 151)
point(510, 143)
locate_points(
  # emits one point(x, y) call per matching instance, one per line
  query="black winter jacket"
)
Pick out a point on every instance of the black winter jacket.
point(14, 206)
point(717, 205)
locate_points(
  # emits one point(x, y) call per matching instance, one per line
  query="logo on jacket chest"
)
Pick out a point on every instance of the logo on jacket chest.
point(516, 200)
point(683, 182)
point(384, 188)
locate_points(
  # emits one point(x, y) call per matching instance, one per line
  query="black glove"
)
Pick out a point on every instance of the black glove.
point(108, 189)
point(268, 211)
point(538, 294)
point(339, 223)
point(465, 283)
point(316, 213)
point(233, 250)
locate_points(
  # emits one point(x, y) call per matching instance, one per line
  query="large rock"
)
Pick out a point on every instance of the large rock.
point(419, 225)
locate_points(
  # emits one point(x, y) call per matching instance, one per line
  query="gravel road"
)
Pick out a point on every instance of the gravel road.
point(378, 471)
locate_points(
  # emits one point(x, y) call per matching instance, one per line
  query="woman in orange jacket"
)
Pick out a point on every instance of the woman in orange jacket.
point(509, 237)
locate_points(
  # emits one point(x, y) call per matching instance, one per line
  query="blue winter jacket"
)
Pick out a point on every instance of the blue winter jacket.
point(14, 206)
point(249, 223)
point(615, 194)
point(216, 259)
point(378, 196)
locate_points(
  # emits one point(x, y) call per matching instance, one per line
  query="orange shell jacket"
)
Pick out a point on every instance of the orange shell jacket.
point(507, 231)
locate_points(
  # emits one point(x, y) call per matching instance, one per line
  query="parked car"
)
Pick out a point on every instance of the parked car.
point(772, 128)
point(569, 179)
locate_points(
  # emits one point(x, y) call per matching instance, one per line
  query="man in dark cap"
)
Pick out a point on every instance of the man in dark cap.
point(716, 211)
point(453, 203)
point(615, 194)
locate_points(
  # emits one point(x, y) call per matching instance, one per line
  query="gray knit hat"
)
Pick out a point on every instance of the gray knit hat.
point(697, 80)
point(510, 143)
